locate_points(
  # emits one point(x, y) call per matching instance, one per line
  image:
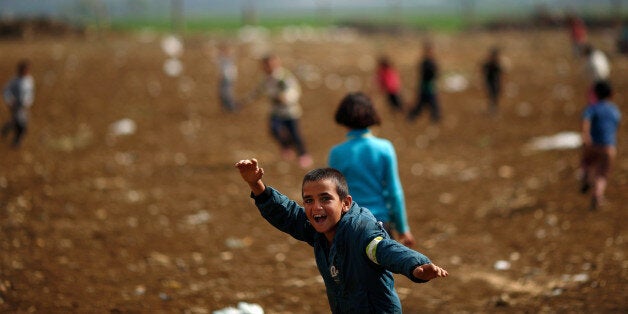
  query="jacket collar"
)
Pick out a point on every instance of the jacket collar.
point(357, 133)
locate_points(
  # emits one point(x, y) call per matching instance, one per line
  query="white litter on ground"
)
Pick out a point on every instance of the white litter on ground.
point(243, 308)
point(124, 126)
point(173, 67)
point(172, 46)
point(502, 265)
point(456, 83)
point(562, 140)
point(198, 218)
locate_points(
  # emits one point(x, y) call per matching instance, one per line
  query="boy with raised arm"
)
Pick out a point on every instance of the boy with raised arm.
point(354, 254)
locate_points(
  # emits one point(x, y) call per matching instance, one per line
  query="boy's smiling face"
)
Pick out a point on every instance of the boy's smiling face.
point(323, 206)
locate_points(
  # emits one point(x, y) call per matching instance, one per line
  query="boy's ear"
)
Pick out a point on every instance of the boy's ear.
point(346, 202)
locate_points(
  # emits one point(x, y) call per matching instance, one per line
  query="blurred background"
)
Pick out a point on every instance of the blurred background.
point(198, 15)
point(123, 198)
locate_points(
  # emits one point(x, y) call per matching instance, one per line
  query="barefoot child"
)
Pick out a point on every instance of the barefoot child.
point(354, 255)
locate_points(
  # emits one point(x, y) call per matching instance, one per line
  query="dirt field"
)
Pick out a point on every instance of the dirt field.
point(158, 221)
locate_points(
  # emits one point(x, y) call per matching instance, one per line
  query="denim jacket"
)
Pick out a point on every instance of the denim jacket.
point(357, 266)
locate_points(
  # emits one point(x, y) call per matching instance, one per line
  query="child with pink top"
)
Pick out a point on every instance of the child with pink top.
point(389, 82)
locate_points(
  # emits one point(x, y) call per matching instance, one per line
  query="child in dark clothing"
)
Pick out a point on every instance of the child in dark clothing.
point(354, 255)
point(492, 77)
point(427, 86)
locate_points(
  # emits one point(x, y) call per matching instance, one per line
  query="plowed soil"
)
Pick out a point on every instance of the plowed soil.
point(159, 221)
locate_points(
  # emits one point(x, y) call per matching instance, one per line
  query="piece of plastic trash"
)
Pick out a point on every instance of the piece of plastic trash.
point(243, 308)
point(173, 67)
point(199, 218)
point(580, 277)
point(172, 46)
point(235, 243)
point(124, 126)
point(502, 265)
point(456, 83)
point(562, 140)
point(250, 308)
point(227, 310)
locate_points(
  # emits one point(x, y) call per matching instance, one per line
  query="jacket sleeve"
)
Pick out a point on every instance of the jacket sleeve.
point(394, 192)
point(285, 215)
point(380, 249)
point(399, 259)
point(7, 93)
point(332, 158)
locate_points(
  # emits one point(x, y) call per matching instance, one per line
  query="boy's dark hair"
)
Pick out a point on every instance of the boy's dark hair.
point(587, 49)
point(495, 52)
point(602, 90)
point(22, 67)
point(269, 57)
point(384, 62)
point(328, 174)
point(356, 111)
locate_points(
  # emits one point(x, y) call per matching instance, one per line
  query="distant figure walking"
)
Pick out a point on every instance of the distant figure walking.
point(599, 137)
point(283, 90)
point(492, 71)
point(389, 82)
point(228, 76)
point(578, 32)
point(19, 94)
point(428, 70)
point(622, 40)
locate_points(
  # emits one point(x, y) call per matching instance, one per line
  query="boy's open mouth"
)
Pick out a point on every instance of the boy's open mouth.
point(320, 217)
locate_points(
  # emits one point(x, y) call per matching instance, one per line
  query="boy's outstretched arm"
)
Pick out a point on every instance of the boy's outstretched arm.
point(252, 175)
point(429, 271)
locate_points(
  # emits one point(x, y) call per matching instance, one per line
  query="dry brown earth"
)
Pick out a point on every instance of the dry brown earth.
point(159, 221)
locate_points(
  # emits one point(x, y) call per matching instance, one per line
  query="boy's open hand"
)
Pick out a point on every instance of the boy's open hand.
point(249, 170)
point(429, 272)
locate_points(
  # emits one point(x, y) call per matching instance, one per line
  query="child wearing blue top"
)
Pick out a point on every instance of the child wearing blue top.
point(354, 255)
point(369, 165)
point(600, 122)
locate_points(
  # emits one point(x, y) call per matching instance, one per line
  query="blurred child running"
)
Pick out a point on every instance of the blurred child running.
point(428, 73)
point(492, 71)
point(354, 255)
point(228, 75)
point(578, 34)
point(283, 90)
point(369, 165)
point(389, 82)
point(600, 123)
point(19, 94)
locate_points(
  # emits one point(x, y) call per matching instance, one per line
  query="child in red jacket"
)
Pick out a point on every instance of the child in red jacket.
point(389, 82)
